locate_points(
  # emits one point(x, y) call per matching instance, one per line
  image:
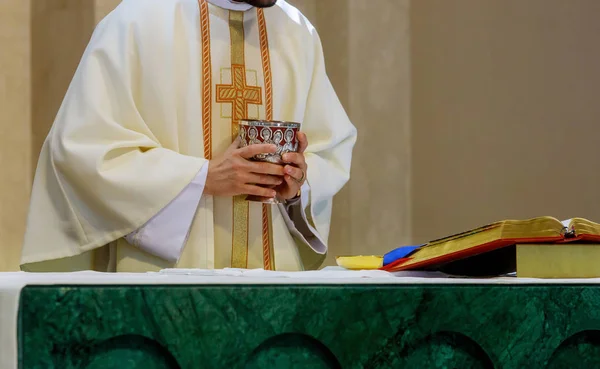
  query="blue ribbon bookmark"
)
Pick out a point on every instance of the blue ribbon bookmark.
point(399, 253)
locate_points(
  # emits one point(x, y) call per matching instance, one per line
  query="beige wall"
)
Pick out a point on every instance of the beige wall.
point(505, 111)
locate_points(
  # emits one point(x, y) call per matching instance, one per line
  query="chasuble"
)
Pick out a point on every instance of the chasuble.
point(158, 93)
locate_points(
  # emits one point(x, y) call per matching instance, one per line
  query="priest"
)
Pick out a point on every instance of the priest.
point(142, 171)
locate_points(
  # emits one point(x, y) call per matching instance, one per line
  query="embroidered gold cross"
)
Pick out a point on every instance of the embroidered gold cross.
point(239, 95)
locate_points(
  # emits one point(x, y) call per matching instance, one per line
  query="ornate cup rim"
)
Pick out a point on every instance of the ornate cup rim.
point(269, 123)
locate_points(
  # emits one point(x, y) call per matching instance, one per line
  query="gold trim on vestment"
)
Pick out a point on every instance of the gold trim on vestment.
point(242, 96)
point(267, 216)
point(269, 211)
point(206, 79)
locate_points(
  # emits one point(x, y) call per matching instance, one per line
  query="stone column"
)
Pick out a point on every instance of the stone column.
point(60, 31)
point(379, 86)
point(15, 128)
point(367, 52)
point(42, 42)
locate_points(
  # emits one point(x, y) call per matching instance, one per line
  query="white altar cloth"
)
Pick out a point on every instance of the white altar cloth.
point(11, 285)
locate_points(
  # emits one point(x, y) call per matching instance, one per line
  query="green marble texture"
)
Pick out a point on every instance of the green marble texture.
point(367, 326)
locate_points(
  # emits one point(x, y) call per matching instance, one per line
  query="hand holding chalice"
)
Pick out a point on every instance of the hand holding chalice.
point(285, 136)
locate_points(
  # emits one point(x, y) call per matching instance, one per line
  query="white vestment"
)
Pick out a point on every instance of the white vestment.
point(158, 93)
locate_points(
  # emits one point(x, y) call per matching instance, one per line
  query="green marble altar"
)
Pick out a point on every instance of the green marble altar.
point(310, 326)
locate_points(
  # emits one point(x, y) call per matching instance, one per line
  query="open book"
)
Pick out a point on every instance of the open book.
point(495, 236)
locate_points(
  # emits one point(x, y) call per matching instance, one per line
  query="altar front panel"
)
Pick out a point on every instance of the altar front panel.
point(447, 325)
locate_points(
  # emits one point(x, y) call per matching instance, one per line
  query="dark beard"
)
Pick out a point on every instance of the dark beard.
point(260, 3)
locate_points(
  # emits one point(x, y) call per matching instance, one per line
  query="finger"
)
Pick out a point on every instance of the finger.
point(234, 146)
point(295, 173)
point(250, 151)
point(303, 141)
point(259, 191)
point(264, 179)
point(296, 159)
point(265, 168)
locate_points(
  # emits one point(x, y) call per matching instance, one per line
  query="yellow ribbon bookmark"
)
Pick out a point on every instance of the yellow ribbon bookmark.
point(360, 262)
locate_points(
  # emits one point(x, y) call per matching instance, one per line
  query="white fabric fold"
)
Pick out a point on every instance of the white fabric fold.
point(166, 233)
